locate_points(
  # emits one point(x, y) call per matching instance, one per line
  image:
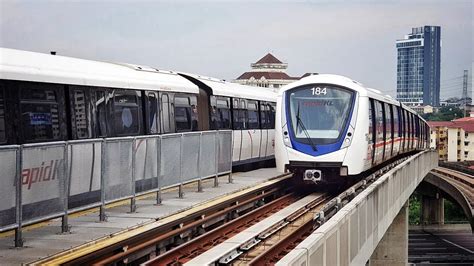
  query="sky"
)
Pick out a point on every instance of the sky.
point(222, 38)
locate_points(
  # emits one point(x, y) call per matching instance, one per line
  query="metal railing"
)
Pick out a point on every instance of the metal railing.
point(49, 180)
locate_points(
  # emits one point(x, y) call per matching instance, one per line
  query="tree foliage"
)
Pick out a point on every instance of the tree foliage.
point(446, 113)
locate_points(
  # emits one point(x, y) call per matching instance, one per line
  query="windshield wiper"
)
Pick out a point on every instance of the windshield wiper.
point(300, 122)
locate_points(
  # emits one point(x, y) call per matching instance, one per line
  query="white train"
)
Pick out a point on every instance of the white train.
point(45, 98)
point(329, 127)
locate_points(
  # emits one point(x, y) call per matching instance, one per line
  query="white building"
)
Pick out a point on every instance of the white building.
point(268, 72)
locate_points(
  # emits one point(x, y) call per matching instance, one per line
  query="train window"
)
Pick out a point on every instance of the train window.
point(214, 115)
point(396, 124)
point(223, 113)
point(127, 116)
point(263, 116)
point(388, 121)
point(379, 125)
point(239, 114)
point(182, 113)
point(194, 113)
point(153, 113)
point(253, 115)
point(101, 114)
point(371, 128)
point(243, 114)
point(165, 103)
point(80, 114)
point(272, 115)
point(3, 135)
point(39, 113)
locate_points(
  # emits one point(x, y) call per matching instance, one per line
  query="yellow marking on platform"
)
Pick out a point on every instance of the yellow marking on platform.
point(90, 247)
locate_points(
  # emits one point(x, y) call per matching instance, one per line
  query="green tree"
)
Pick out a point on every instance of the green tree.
point(453, 213)
point(414, 211)
point(445, 113)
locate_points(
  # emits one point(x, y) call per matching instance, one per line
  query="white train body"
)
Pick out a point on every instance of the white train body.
point(329, 126)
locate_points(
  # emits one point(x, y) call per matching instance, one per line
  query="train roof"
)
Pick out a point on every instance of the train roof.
point(31, 66)
point(348, 83)
point(223, 88)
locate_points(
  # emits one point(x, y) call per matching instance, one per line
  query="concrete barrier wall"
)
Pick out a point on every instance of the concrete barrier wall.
point(352, 234)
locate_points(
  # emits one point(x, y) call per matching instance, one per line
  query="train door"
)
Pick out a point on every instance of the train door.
point(379, 129)
point(271, 130)
point(254, 131)
point(203, 110)
point(396, 130)
point(152, 114)
point(409, 140)
point(167, 114)
point(388, 132)
point(371, 136)
point(246, 150)
point(264, 129)
point(237, 130)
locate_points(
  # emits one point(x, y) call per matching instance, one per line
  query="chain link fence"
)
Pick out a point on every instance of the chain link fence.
point(61, 178)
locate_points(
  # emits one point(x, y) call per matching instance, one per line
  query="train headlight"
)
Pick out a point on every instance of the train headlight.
point(286, 136)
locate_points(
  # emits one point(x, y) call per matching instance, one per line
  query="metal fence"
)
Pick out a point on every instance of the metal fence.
point(60, 178)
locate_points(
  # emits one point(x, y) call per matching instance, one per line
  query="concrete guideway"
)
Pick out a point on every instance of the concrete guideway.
point(353, 234)
point(45, 239)
point(231, 248)
point(459, 186)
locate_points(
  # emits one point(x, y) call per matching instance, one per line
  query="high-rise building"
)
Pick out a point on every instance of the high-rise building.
point(418, 66)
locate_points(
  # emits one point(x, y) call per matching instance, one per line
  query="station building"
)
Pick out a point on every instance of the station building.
point(454, 139)
point(268, 72)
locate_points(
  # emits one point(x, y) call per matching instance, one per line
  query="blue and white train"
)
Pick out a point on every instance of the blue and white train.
point(329, 127)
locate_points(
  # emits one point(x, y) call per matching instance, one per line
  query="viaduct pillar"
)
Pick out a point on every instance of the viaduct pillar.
point(432, 210)
point(393, 247)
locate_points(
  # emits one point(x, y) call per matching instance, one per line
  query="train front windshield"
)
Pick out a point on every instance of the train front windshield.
point(319, 113)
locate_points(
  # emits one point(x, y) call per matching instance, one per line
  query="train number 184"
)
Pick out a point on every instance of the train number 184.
point(318, 91)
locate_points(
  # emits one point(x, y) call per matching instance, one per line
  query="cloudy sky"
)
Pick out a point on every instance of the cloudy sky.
point(222, 38)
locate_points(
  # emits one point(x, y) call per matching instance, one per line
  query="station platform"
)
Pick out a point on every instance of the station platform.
point(45, 239)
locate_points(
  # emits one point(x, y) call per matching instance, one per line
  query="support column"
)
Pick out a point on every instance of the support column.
point(393, 247)
point(432, 210)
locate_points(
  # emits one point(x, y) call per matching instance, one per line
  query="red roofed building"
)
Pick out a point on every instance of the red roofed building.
point(454, 139)
point(268, 72)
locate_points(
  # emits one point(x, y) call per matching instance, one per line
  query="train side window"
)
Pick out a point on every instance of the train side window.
point(194, 113)
point(223, 111)
point(101, 114)
point(127, 118)
point(153, 113)
point(263, 116)
point(408, 125)
point(243, 114)
point(237, 123)
point(40, 117)
point(396, 123)
point(371, 126)
point(379, 127)
point(272, 115)
point(253, 115)
point(388, 121)
point(215, 118)
point(182, 113)
point(3, 135)
point(165, 103)
point(80, 111)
